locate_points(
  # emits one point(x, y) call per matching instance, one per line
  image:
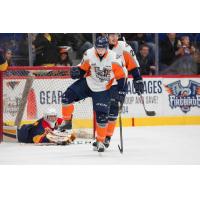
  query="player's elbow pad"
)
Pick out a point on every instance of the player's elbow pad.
point(136, 73)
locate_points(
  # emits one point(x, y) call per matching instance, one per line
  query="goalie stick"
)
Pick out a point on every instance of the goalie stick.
point(27, 88)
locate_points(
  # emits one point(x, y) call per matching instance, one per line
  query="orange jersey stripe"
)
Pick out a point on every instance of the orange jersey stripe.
point(85, 66)
point(118, 71)
point(129, 61)
point(108, 86)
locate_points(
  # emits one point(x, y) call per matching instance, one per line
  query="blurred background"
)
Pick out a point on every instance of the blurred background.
point(157, 53)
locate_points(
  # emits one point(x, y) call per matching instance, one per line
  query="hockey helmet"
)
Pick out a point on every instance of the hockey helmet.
point(101, 42)
point(50, 116)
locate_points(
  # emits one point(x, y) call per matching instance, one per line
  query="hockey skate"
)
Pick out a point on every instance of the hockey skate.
point(94, 144)
point(98, 146)
point(107, 141)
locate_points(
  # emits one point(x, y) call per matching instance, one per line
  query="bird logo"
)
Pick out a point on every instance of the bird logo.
point(183, 97)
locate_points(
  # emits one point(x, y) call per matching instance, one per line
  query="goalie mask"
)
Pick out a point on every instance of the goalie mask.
point(50, 116)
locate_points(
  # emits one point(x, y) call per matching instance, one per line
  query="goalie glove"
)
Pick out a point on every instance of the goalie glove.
point(61, 139)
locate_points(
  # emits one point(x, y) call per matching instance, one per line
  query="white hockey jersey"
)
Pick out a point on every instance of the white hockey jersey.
point(101, 74)
point(126, 54)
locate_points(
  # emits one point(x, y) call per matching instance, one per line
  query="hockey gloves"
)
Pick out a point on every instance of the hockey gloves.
point(121, 96)
point(137, 81)
point(77, 73)
point(121, 86)
point(138, 85)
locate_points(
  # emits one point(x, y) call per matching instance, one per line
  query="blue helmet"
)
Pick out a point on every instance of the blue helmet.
point(101, 42)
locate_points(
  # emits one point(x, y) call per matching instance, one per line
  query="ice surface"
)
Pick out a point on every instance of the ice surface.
point(142, 145)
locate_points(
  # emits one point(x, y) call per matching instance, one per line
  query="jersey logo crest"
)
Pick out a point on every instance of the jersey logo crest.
point(104, 74)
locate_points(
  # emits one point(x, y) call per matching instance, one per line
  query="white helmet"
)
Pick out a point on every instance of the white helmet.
point(48, 113)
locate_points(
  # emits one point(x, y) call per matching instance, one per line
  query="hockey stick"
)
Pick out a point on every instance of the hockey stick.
point(148, 113)
point(121, 148)
point(27, 88)
point(55, 144)
point(94, 124)
point(81, 142)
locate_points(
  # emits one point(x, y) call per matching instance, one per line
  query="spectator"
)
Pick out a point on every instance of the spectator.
point(3, 63)
point(23, 54)
point(197, 41)
point(147, 65)
point(79, 42)
point(8, 57)
point(64, 57)
point(168, 47)
point(85, 43)
point(186, 59)
point(137, 39)
point(18, 44)
point(185, 47)
point(46, 49)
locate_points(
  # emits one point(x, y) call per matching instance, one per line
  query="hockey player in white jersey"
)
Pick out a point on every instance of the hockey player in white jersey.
point(129, 60)
point(99, 69)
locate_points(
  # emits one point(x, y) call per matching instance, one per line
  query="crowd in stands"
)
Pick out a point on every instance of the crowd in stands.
point(179, 54)
point(176, 53)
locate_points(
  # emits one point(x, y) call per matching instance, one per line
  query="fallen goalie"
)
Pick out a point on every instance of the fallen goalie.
point(45, 130)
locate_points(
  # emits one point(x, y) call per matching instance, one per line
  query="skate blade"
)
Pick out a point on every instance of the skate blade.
point(106, 145)
point(95, 148)
point(99, 151)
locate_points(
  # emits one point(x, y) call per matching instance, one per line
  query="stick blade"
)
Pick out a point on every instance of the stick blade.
point(120, 149)
point(151, 113)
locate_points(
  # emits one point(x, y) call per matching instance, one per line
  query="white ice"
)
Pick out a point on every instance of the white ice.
point(142, 145)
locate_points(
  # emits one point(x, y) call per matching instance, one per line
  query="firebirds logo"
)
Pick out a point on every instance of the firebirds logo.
point(184, 97)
